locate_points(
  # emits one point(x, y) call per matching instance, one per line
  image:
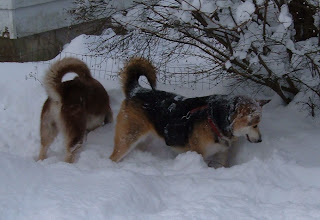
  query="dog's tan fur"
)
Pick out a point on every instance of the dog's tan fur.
point(73, 107)
point(132, 122)
point(131, 126)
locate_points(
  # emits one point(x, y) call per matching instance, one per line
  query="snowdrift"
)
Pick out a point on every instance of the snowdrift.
point(276, 179)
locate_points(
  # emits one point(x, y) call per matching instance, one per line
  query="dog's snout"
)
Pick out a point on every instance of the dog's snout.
point(254, 140)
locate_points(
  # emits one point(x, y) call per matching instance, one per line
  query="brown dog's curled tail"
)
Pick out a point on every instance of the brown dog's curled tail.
point(53, 77)
point(131, 72)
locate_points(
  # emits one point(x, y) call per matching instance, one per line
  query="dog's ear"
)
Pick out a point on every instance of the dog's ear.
point(263, 102)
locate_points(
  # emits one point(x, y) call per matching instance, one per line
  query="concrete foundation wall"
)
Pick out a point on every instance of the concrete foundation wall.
point(38, 29)
point(6, 20)
point(46, 45)
point(28, 17)
point(6, 4)
point(40, 18)
point(27, 3)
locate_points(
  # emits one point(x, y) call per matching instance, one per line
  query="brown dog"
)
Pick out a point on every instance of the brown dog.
point(73, 107)
point(207, 125)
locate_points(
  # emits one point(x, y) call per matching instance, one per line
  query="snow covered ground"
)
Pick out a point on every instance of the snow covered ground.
point(276, 179)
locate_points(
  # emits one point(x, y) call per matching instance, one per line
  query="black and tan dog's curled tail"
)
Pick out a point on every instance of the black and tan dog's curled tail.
point(54, 75)
point(131, 72)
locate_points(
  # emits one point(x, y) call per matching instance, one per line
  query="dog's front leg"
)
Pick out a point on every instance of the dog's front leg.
point(219, 159)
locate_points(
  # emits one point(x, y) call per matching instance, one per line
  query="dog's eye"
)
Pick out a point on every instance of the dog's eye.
point(255, 126)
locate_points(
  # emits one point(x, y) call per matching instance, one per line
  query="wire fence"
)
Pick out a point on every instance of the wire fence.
point(106, 68)
point(99, 66)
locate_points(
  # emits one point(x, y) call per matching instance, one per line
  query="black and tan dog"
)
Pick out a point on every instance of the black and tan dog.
point(207, 125)
point(73, 107)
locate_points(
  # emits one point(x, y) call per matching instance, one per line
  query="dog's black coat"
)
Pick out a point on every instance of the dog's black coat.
point(170, 113)
point(206, 125)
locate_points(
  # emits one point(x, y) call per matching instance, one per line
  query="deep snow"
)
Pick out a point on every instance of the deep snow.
point(276, 179)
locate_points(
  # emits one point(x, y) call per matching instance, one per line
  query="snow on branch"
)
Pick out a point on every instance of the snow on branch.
point(257, 40)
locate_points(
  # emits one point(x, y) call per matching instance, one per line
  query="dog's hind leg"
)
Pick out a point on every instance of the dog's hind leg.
point(73, 142)
point(71, 151)
point(47, 134)
point(74, 130)
point(130, 128)
point(109, 116)
point(48, 130)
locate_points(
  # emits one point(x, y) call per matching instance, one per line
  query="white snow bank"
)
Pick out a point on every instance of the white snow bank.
point(276, 179)
point(244, 12)
point(285, 17)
